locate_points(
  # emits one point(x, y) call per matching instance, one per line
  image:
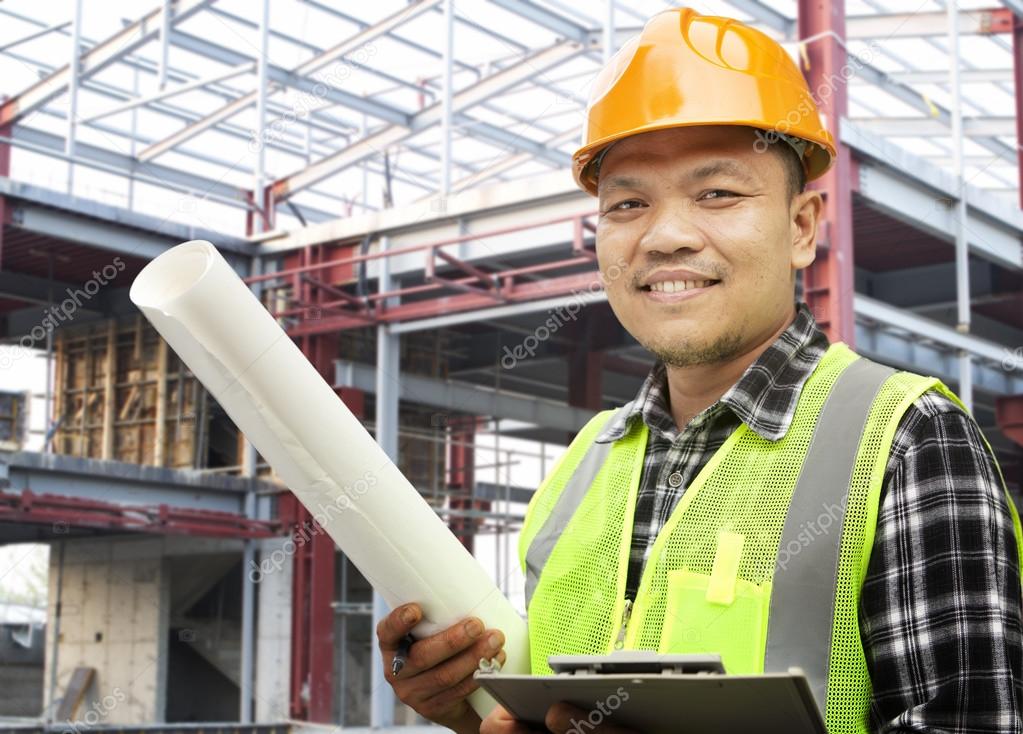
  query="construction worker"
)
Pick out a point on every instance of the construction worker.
point(768, 495)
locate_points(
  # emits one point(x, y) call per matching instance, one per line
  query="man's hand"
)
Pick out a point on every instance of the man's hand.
point(437, 676)
point(562, 718)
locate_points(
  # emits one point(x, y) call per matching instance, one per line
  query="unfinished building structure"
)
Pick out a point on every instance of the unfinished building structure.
point(421, 240)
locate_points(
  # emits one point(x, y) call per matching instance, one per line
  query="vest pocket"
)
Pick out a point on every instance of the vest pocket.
point(737, 631)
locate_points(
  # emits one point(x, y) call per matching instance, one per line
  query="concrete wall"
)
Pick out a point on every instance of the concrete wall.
point(114, 618)
point(273, 629)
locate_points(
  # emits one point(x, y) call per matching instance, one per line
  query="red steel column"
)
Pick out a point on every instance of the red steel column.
point(312, 651)
point(829, 280)
point(461, 478)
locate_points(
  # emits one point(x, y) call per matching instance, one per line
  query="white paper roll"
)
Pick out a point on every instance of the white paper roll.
point(322, 452)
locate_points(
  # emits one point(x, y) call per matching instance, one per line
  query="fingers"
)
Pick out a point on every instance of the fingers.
point(434, 650)
point(454, 679)
point(499, 721)
point(563, 718)
point(437, 675)
point(452, 673)
point(396, 625)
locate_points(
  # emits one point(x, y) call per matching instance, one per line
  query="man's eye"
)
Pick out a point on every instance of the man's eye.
point(720, 194)
point(622, 205)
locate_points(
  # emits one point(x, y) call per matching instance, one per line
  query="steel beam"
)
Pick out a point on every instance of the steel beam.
point(34, 35)
point(103, 158)
point(381, 140)
point(122, 223)
point(104, 53)
point(923, 201)
point(200, 83)
point(122, 483)
point(925, 346)
point(85, 231)
point(304, 69)
point(931, 127)
point(886, 26)
point(545, 18)
point(932, 110)
point(968, 76)
point(451, 396)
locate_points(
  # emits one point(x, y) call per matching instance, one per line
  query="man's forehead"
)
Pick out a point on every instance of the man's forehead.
point(693, 147)
point(631, 171)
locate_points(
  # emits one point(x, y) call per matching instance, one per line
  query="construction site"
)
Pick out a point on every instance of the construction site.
point(393, 182)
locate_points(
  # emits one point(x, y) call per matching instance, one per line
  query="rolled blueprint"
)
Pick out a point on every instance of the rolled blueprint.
point(337, 470)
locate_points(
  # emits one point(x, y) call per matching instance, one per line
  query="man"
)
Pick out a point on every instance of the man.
point(767, 495)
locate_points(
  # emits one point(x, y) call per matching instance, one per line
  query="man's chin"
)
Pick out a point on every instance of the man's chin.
point(683, 350)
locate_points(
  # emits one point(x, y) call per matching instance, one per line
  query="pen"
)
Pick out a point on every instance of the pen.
point(401, 655)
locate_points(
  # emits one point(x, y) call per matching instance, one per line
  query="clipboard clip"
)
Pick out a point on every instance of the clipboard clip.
point(636, 662)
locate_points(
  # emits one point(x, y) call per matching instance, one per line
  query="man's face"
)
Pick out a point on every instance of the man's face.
point(684, 206)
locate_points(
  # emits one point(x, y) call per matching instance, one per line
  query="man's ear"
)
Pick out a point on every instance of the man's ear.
point(805, 214)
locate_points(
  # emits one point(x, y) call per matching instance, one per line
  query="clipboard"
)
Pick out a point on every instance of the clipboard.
point(661, 694)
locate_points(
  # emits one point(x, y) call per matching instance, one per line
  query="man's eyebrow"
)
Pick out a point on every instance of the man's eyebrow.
point(619, 182)
point(721, 167)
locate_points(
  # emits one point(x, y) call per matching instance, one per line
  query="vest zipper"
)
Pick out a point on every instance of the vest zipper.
point(626, 613)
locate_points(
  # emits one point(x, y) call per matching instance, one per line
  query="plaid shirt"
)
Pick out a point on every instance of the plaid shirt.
point(940, 611)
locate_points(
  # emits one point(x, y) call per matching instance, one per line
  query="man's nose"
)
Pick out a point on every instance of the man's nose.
point(673, 227)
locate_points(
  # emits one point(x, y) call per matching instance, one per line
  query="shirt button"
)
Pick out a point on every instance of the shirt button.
point(675, 480)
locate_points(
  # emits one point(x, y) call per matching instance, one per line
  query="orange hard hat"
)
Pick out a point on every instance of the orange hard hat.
point(688, 69)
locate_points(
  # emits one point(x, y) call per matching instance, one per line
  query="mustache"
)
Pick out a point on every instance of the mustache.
point(711, 271)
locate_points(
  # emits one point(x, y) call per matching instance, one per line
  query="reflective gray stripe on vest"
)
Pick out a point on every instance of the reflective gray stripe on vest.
point(805, 578)
point(571, 497)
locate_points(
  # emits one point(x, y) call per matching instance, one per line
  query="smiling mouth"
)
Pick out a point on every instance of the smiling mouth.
point(678, 286)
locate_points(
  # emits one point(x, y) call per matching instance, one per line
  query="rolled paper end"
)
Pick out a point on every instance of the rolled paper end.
point(171, 274)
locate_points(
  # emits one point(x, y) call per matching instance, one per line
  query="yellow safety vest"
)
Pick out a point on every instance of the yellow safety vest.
point(763, 558)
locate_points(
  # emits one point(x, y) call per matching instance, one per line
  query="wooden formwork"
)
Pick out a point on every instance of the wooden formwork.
point(121, 394)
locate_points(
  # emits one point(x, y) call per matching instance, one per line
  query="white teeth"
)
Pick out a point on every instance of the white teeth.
point(673, 286)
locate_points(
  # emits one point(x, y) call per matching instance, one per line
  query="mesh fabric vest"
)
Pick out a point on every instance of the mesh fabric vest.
point(707, 583)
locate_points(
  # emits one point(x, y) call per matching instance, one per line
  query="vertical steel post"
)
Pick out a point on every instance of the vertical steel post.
point(133, 143)
point(446, 92)
point(1017, 76)
point(249, 452)
point(609, 29)
point(962, 248)
point(165, 27)
point(259, 168)
point(246, 676)
point(72, 91)
point(388, 370)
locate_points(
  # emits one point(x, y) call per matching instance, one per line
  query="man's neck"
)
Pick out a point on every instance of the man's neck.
point(692, 389)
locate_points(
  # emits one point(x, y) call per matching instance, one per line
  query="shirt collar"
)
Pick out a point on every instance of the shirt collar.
point(764, 397)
